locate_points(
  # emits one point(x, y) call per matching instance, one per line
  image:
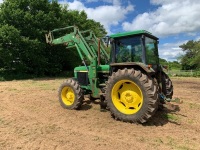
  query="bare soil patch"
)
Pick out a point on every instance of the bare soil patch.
point(32, 118)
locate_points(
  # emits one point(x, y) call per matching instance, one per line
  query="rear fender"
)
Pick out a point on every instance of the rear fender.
point(138, 66)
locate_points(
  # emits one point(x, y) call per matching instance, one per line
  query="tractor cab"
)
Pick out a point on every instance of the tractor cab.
point(137, 46)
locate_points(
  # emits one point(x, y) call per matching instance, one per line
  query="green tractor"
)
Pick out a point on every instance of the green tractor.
point(129, 81)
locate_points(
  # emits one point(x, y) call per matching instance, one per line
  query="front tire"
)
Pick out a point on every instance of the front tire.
point(70, 94)
point(131, 96)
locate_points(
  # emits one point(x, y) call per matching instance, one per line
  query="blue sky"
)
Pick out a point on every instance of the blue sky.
point(174, 21)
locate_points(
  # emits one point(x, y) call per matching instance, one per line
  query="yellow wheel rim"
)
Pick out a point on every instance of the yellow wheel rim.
point(127, 97)
point(68, 96)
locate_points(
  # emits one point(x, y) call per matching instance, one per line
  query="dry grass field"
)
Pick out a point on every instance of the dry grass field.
point(31, 118)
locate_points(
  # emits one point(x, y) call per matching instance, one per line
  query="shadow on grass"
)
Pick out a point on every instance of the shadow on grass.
point(164, 115)
point(167, 113)
point(86, 105)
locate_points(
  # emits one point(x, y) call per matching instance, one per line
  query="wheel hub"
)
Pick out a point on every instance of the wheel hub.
point(128, 97)
point(69, 96)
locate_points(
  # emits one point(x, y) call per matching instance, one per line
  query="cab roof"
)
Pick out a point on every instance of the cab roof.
point(136, 32)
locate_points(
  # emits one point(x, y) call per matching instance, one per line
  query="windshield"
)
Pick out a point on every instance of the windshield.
point(151, 51)
point(128, 49)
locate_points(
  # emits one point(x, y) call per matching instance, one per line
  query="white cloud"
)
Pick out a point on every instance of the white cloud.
point(197, 38)
point(107, 15)
point(171, 51)
point(114, 2)
point(171, 17)
point(1, 1)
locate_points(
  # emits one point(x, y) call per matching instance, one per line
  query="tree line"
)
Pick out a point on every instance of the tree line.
point(23, 24)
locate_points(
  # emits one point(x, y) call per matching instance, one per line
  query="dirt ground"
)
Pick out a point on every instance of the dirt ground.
point(32, 118)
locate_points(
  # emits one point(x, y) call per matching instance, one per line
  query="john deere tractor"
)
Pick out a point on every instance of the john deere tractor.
point(129, 81)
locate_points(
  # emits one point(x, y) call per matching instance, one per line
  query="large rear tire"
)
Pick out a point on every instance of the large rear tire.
point(167, 86)
point(131, 96)
point(70, 94)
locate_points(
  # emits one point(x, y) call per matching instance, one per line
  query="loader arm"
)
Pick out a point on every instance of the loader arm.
point(89, 48)
point(85, 42)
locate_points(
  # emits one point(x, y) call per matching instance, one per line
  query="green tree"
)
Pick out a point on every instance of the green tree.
point(23, 24)
point(190, 60)
point(163, 61)
point(9, 42)
point(175, 65)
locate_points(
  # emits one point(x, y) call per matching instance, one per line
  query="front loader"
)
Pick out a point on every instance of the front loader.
point(129, 80)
